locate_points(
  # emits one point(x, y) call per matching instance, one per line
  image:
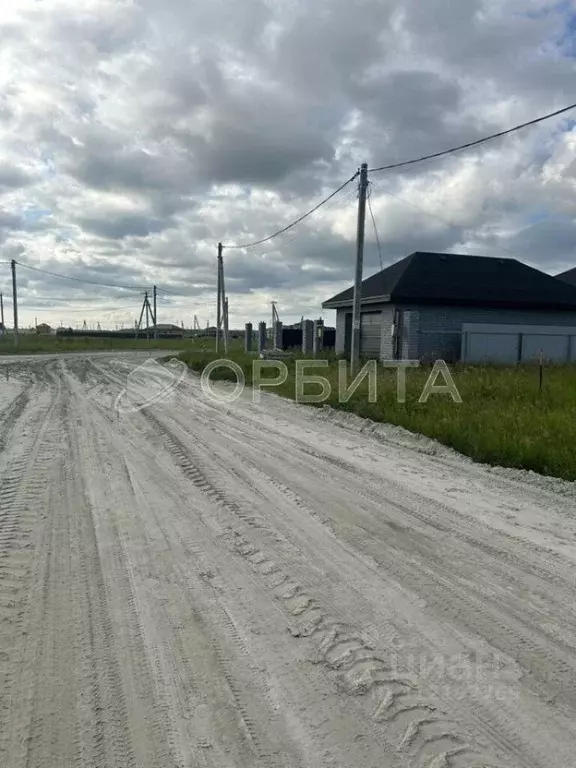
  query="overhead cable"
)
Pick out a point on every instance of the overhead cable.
point(65, 310)
point(82, 280)
point(473, 143)
point(375, 228)
point(299, 220)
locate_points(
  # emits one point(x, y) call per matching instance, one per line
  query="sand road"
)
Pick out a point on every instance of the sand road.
point(261, 584)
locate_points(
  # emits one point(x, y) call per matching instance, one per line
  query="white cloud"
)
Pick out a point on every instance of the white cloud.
point(135, 136)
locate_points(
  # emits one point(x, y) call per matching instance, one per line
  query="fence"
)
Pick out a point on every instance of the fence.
point(508, 344)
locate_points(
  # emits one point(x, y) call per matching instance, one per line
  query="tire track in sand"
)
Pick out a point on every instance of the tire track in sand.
point(22, 530)
point(199, 478)
point(418, 724)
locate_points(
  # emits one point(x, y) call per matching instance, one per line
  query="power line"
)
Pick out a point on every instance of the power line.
point(391, 166)
point(65, 310)
point(81, 280)
point(448, 223)
point(271, 250)
point(173, 293)
point(182, 296)
point(406, 163)
point(473, 143)
point(375, 228)
point(300, 219)
point(416, 206)
point(167, 290)
point(91, 282)
point(86, 301)
point(349, 197)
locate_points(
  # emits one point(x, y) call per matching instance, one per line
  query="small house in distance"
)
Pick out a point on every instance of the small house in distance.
point(43, 328)
point(453, 307)
point(166, 330)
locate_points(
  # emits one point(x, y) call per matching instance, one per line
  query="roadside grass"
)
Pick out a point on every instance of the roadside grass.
point(502, 420)
point(29, 344)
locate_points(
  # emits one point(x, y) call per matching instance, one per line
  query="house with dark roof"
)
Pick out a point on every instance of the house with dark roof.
point(429, 305)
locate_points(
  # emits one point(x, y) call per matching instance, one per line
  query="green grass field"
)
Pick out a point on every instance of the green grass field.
point(31, 343)
point(502, 419)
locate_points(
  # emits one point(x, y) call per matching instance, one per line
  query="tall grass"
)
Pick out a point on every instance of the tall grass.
point(36, 343)
point(503, 419)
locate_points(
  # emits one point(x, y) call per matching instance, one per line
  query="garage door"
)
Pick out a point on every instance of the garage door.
point(370, 334)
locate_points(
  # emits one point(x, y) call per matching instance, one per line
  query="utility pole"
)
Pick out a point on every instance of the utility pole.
point(15, 300)
point(222, 320)
point(2, 314)
point(147, 305)
point(226, 325)
point(155, 315)
point(219, 309)
point(355, 345)
point(224, 309)
point(138, 322)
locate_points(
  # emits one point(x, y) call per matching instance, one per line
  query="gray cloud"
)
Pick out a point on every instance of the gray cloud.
point(122, 226)
point(12, 177)
point(554, 240)
point(8, 223)
point(110, 161)
point(145, 133)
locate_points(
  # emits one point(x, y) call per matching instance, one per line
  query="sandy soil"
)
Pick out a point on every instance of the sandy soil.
point(241, 584)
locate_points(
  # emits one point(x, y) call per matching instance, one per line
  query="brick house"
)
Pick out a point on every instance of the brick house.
point(421, 307)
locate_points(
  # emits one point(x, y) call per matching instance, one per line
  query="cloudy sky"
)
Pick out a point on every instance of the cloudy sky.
point(136, 134)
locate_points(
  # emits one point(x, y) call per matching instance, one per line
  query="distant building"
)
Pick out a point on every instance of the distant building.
point(167, 329)
point(43, 328)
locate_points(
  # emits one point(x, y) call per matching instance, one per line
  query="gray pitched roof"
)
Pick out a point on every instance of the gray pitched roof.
point(568, 277)
point(165, 327)
point(451, 278)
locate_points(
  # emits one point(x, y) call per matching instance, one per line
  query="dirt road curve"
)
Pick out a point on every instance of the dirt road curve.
point(229, 586)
